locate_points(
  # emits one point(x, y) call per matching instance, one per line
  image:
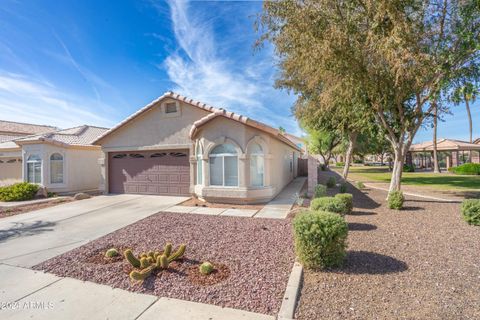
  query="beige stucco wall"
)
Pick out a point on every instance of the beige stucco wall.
point(153, 130)
point(81, 167)
point(10, 172)
point(280, 162)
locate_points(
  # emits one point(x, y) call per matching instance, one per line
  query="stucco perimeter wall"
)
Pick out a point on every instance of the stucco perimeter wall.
point(278, 169)
point(80, 167)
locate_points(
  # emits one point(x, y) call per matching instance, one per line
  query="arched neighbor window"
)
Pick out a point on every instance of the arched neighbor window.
point(198, 155)
point(257, 165)
point(224, 166)
point(56, 168)
point(34, 169)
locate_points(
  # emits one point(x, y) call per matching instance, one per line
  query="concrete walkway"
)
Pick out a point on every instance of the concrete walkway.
point(30, 238)
point(279, 207)
point(28, 294)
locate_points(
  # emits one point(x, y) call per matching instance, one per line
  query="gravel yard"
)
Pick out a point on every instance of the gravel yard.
point(255, 257)
point(419, 263)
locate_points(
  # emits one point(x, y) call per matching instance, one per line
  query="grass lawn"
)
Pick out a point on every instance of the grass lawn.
point(444, 181)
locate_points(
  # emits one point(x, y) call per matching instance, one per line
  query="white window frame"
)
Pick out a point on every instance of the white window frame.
point(63, 168)
point(34, 161)
point(223, 155)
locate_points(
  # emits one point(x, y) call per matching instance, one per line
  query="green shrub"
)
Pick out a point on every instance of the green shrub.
point(320, 191)
point(329, 204)
point(206, 268)
point(357, 161)
point(360, 185)
point(471, 211)
point(467, 169)
point(18, 192)
point(331, 182)
point(320, 239)
point(408, 168)
point(347, 199)
point(395, 200)
point(340, 164)
point(343, 188)
point(111, 253)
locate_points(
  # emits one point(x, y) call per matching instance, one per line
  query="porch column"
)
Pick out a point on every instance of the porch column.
point(408, 159)
point(454, 158)
point(448, 161)
point(206, 171)
point(475, 156)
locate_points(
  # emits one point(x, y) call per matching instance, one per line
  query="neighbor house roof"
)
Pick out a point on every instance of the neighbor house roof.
point(445, 145)
point(19, 128)
point(77, 136)
point(214, 113)
point(477, 141)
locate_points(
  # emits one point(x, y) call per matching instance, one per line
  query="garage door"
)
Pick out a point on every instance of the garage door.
point(153, 172)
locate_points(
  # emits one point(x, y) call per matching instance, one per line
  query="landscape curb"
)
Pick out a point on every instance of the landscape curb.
point(414, 194)
point(292, 292)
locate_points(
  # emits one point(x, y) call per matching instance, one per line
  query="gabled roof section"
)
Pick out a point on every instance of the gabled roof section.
point(18, 128)
point(214, 113)
point(445, 145)
point(76, 136)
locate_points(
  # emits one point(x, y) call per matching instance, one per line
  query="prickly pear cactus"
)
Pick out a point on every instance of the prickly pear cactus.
point(131, 258)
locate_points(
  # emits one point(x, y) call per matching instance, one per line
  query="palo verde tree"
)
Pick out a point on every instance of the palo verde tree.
point(399, 53)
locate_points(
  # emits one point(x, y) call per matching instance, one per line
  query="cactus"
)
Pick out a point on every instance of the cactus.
point(144, 263)
point(177, 254)
point(168, 249)
point(111, 253)
point(141, 275)
point(206, 268)
point(151, 254)
point(131, 258)
point(162, 262)
point(156, 255)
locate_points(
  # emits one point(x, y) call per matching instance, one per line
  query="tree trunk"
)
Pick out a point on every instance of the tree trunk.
point(469, 116)
point(396, 180)
point(381, 159)
point(436, 168)
point(352, 139)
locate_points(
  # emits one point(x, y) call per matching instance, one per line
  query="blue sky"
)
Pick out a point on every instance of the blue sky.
point(69, 62)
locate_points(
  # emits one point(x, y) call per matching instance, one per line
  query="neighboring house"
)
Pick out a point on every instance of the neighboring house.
point(64, 161)
point(300, 142)
point(178, 146)
point(10, 152)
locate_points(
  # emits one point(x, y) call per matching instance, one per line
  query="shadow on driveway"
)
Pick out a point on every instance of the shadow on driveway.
point(20, 229)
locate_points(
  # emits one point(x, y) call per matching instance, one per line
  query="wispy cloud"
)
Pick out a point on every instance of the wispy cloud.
point(31, 100)
point(207, 68)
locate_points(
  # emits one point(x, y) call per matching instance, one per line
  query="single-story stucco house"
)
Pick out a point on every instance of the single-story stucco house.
point(64, 161)
point(179, 146)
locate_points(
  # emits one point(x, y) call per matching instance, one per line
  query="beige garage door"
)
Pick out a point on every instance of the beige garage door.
point(10, 169)
point(153, 172)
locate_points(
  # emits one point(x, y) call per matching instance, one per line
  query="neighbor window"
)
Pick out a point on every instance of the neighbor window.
point(257, 168)
point(199, 164)
point(171, 107)
point(34, 169)
point(56, 168)
point(224, 166)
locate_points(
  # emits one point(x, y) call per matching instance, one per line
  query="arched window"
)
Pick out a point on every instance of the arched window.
point(56, 168)
point(34, 169)
point(198, 155)
point(257, 165)
point(224, 166)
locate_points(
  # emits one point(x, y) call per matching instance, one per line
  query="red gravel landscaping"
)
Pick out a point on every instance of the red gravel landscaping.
point(422, 262)
point(254, 259)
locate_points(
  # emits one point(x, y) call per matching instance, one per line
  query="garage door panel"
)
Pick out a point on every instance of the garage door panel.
point(140, 173)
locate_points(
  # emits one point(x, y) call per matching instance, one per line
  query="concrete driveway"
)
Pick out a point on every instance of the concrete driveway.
point(30, 238)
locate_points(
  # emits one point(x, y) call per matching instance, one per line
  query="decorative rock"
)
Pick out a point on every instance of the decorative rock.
point(81, 196)
point(41, 193)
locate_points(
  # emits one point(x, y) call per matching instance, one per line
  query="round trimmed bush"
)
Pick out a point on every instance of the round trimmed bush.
point(343, 188)
point(347, 199)
point(467, 169)
point(320, 239)
point(18, 192)
point(395, 200)
point(331, 182)
point(329, 204)
point(320, 191)
point(206, 268)
point(471, 211)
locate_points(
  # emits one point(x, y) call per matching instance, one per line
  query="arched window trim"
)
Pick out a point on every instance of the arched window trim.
point(223, 156)
point(57, 175)
point(34, 169)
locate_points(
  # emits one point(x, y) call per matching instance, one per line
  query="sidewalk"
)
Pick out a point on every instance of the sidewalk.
point(281, 205)
point(29, 294)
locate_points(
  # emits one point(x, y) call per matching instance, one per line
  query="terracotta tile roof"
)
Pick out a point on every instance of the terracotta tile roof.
point(24, 128)
point(8, 146)
point(445, 145)
point(214, 112)
point(82, 135)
